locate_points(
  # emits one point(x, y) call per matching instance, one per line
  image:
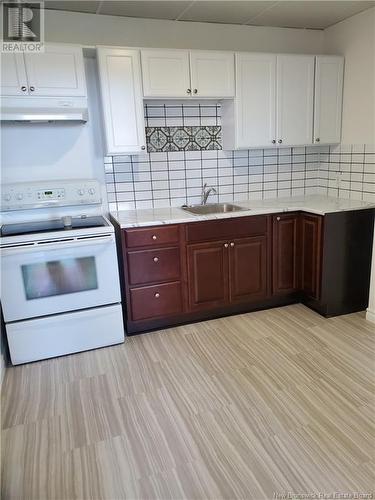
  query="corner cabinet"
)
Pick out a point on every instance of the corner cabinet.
point(122, 104)
point(187, 74)
point(56, 72)
point(285, 229)
point(329, 76)
point(311, 248)
point(284, 100)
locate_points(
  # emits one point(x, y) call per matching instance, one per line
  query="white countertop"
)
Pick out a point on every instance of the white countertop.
point(316, 204)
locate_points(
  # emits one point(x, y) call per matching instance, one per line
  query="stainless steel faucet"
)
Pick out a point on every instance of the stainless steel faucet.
point(206, 191)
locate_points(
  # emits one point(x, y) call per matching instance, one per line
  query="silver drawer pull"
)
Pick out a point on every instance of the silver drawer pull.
point(156, 259)
point(154, 237)
point(232, 244)
point(277, 218)
point(157, 295)
point(226, 245)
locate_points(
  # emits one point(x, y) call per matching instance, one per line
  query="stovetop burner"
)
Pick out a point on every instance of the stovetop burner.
point(63, 224)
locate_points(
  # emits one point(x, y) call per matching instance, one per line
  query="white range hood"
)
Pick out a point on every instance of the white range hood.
point(44, 109)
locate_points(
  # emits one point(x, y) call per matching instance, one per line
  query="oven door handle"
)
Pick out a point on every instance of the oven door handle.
point(56, 245)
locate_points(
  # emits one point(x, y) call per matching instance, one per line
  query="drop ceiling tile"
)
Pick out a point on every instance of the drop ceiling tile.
point(145, 9)
point(309, 14)
point(229, 12)
point(80, 6)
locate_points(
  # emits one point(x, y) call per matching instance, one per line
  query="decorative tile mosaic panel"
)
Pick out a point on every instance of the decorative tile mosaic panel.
point(159, 139)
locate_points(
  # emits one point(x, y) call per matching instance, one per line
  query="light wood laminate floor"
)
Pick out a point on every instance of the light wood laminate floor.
point(236, 408)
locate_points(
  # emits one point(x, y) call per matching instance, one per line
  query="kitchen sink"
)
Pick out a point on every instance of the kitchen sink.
point(212, 208)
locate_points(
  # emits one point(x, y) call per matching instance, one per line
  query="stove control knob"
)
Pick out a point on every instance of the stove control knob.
point(91, 191)
point(7, 197)
point(81, 192)
point(19, 196)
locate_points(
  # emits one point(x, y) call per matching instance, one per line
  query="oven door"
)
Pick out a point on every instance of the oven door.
point(59, 276)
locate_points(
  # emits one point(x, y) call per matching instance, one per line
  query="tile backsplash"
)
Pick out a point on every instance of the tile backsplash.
point(184, 152)
point(348, 171)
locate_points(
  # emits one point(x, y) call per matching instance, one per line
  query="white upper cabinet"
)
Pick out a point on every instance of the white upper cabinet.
point(329, 72)
point(13, 75)
point(165, 73)
point(253, 110)
point(212, 73)
point(294, 99)
point(180, 73)
point(121, 92)
point(58, 71)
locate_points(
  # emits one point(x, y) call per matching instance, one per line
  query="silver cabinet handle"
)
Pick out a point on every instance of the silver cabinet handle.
point(157, 295)
point(277, 218)
point(32, 89)
point(280, 141)
point(232, 244)
point(23, 88)
point(226, 245)
point(188, 91)
point(317, 139)
point(273, 141)
point(195, 91)
point(154, 237)
point(156, 259)
point(143, 148)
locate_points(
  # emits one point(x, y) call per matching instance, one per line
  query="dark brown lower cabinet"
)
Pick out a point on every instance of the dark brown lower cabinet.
point(207, 275)
point(248, 269)
point(285, 253)
point(178, 273)
point(311, 250)
point(225, 272)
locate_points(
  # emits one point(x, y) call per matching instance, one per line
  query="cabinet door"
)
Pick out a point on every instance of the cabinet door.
point(13, 75)
point(165, 73)
point(328, 99)
point(212, 73)
point(255, 100)
point(311, 254)
point(208, 275)
point(248, 269)
point(122, 103)
point(285, 254)
point(58, 71)
point(294, 102)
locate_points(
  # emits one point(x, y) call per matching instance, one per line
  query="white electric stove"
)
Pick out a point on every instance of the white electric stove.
point(60, 290)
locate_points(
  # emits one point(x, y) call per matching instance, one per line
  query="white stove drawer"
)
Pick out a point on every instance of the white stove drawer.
point(53, 336)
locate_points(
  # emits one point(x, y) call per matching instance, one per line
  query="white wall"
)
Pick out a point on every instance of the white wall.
point(90, 29)
point(354, 38)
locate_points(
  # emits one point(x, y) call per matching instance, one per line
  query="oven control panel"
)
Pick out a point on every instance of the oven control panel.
point(26, 195)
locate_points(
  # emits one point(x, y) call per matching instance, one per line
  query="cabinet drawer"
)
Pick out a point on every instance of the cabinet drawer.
point(227, 228)
point(155, 301)
point(152, 236)
point(147, 266)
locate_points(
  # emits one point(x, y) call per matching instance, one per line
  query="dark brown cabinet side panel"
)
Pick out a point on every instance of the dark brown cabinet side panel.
point(311, 237)
point(207, 275)
point(248, 269)
point(285, 259)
